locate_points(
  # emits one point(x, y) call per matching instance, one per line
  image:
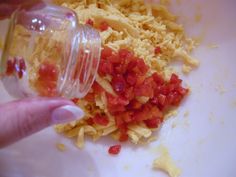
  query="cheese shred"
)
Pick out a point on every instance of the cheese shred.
point(139, 27)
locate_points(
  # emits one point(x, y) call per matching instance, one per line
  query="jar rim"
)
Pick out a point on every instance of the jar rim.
point(82, 64)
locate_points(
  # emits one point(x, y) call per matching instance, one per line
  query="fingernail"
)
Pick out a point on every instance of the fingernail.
point(66, 113)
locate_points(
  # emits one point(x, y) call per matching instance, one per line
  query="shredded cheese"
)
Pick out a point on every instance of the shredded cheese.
point(139, 27)
point(165, 163)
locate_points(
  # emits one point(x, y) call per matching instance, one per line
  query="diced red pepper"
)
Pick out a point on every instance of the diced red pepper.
point(116, 108)
point(134, 104)
point(174, 98)
point(157, 50)
point(106, 52)
point(75, 100)
point(105, 67)
point(125, 53)
point(16, 66)
point(103, 26)
point(174, 79)
point(129, 80)
point(127, 117)
point(162, 100)
point(154, 100)
point(47, 80)
point(123, 133)
point(152, 123)
point(118, 83)
point(101, 120)
point(90, 97)
point(119, 69)
point(45, 88)
point(20, 74)
point(122, 126)
point(155, 112)
point(115, 59)
point(97, 89)
point(145, 89)
point(164, 89)
point(137, 66)
point(119, 121)
point(90, 121)
point(140, 80)
point(114, 150)
point(182, 91)
point(132, 64)
point(116, 101)
point(158, 79)
point(48, 72)
point(129, 93)
point(10, 67)
point(140, 115)
point(89, 22)
point(123, 137)
point(22, 64)
point(142, 66)
point(22, 67)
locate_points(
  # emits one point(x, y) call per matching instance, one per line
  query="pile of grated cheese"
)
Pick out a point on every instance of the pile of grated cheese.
point(139, 27)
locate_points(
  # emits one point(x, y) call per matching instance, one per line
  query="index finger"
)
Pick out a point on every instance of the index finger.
point(7, 7)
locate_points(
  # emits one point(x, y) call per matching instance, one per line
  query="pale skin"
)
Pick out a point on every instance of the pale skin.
point(22, 118)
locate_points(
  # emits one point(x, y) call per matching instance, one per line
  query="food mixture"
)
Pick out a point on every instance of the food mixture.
point(135, 86)
point(36, 59)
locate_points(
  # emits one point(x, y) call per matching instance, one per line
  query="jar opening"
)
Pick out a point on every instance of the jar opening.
point(82, 64)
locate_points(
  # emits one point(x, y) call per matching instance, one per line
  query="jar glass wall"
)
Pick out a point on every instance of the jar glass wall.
point(47, 53)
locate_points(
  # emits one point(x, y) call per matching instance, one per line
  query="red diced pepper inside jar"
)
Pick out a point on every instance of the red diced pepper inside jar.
point(10, 67)
point(46, 83)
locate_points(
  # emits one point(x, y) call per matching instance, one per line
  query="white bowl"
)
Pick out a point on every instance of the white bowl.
point(202, 144)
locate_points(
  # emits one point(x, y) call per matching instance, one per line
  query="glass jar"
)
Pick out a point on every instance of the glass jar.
point(47, 53)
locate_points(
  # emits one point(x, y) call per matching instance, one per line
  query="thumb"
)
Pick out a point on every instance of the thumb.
point(19, 119)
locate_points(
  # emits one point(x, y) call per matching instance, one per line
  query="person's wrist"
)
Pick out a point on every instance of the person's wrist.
point(19, 119)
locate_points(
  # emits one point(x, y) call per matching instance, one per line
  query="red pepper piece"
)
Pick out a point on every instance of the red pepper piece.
point(101, 120)
point(22, 67)
point(106, 52)
point(105, 67)
point(153, 123)
point(10, 67)
point(114, 150)
point(89, 22)
point(75, 100)
point(103, 26)
point(90, 121)
point(157, 50)
point(118, 83)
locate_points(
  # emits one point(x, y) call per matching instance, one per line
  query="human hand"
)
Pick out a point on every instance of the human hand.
point(19, 119)
point(152, 1)
point(8, 6)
